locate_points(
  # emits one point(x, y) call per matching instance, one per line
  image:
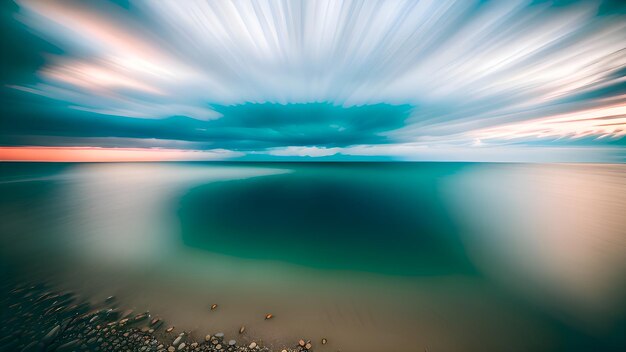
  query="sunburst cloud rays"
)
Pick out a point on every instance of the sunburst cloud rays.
point(476, 74)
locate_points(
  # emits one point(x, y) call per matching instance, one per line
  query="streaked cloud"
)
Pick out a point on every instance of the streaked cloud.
point(470, 74)
point(602, 122)
point(304, 151)
point(96, 77)
point(420, 152)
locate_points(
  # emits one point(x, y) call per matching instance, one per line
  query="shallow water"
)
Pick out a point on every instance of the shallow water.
point(371, 256)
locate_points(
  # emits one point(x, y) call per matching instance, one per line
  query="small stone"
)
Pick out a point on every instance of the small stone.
point(252, 345)
point(308, 346)
point(207, 338)
point(177, 340)
point(268, 316)
point(194, 345)
point(232, 343)
point(170, 329)
point(171, 349)
point(219, 335)
point(213, 306)
point(324, 341)
point(127, 313)
point(182, 345)
point(219, 347)
point(69, 346)
point(242, 329)
point(50, 336)
point(301, 343)
point(33, 346)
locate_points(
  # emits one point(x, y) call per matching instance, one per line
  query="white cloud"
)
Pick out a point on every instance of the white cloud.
point(303, 151)
point(608, 121)
point(507, 153)
point(474, 70)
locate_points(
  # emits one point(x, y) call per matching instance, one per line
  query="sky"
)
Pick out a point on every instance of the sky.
point(440, 80)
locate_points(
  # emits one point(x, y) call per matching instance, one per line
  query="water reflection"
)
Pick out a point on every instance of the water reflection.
point(127, 212)
point(557, 233)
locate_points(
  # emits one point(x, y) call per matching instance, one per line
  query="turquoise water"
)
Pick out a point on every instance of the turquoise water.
point(381, 218)
point(372, 256)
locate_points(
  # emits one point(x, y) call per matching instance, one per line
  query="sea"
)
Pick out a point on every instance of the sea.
point(378, 256)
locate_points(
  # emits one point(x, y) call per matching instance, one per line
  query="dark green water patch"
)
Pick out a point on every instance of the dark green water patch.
point(386, 218)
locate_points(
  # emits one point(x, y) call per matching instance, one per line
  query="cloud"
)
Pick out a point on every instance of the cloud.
point(602, 122)
point(413, 152)
point(304, 151)
point(261, 77)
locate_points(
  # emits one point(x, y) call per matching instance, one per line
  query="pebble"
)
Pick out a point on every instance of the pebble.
point(213, 306)
point(141, 316)
point(127, 313)
point(69, 346)
point(301, 343)
point(50, 336)
point(32, 347)
point(81, 327)
point(324, 341)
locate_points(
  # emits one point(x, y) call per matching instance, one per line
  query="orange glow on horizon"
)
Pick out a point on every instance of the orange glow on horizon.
point(97, 154)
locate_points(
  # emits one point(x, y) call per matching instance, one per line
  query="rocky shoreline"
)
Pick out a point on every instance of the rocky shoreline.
point(37, 317)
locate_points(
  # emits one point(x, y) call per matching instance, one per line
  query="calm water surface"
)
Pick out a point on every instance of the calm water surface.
point(372, 256)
